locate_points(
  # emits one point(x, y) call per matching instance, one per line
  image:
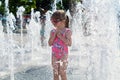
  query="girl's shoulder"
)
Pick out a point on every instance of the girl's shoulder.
point(68, 30)
point(53, 30)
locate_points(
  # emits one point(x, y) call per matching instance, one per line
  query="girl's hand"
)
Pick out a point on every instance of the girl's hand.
point(59, 35)
point(52, 37)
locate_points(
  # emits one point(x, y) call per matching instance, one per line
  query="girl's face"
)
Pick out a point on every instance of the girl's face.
point(57, 22)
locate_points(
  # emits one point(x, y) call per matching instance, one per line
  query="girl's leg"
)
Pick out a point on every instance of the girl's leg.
point(55, 68)
point(63, 67)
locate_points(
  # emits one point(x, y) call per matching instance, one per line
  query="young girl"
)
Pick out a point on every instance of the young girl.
point(60, 39)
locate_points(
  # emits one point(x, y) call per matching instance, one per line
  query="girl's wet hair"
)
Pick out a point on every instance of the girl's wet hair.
point(60, 15)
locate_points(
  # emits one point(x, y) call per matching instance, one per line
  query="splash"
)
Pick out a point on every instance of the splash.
point(95, 35)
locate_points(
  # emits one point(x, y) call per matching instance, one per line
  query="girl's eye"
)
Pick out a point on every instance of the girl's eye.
point(55, 20)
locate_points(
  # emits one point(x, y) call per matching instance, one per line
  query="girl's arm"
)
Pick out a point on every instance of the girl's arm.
point(51, 39)
point(67, 40)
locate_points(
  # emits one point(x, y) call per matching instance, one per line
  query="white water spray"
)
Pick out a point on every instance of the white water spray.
point(98, 39)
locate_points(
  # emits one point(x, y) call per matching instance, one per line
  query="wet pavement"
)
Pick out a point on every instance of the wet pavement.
point(44, 71)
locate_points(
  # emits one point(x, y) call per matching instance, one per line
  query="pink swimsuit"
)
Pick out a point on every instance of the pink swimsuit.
point(59, 48)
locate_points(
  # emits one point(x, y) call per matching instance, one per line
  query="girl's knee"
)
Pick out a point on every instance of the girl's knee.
point(55, 71)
